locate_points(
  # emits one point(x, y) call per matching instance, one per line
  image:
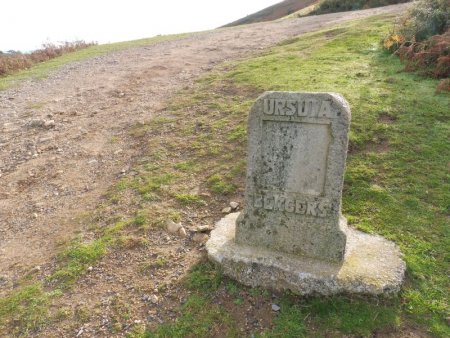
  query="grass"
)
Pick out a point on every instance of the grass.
point(27, 309)
point(43, 69)
point(198, 317)
point(219, 184)
point(152, 183)
point(298, 316)
point(340, 315)
point(213, 319)
point(187, 199)
point(76, 259)
point(396, 182)
point(188, 166)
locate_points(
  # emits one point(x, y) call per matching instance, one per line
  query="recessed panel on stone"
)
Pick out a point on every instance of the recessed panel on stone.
point(296, 161)
point(290, 145)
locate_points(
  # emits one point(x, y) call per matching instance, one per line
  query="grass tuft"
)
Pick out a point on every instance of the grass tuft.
point(197, 318)
point(75, 260)
point(189, 199)
point(219, 184)
point(204, 276)
point(25, 310)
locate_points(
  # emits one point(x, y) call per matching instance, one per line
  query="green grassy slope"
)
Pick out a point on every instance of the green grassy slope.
point(396, 181)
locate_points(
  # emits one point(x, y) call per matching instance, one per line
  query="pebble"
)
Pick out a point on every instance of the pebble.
point(182, 232)
point(226, 210)
point(203, 228)
point(275, 307)
point(173, 227)
point(154, 299)
point(36, 269)
point(36, 123)
point(200, 237)
point(90, 268)
point(45, 139)
point(3, 280)
point(234, 206)
point(49, 124)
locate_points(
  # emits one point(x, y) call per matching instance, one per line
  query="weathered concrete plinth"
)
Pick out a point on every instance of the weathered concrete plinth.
point(372, 265)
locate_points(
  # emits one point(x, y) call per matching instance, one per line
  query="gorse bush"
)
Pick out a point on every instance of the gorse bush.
point(14, 61)
point(332, 6)
point(425, 19)
point(422, 40)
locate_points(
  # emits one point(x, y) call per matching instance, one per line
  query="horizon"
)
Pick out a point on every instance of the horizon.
point(50, 21)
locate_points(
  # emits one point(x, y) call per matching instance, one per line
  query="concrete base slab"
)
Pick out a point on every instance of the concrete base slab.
point(372, 265)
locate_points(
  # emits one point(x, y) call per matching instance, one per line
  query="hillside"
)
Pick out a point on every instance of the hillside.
point(100, 150)
point(274, 12)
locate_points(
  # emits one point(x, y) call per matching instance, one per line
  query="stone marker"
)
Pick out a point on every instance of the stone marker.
point(291, 233)
point(297, 149)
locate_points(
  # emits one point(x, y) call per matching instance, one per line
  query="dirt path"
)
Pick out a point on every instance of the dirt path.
point(62, 140)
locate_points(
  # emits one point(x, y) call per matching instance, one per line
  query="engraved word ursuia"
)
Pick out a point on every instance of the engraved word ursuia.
point(299, 108)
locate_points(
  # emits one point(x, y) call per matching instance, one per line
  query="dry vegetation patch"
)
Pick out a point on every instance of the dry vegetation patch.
point(422, 40)
point(14, 61)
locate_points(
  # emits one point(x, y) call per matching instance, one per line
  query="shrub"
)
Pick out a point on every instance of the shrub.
point(14, 61)
point(422, 40)
point(332, 6)
point(443, 86)
point(431, 56)
point(425, 19)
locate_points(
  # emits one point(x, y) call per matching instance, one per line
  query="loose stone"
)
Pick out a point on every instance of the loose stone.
point(203, 228)
point(226, 210)
point(49, 124)
point(234, 206)
point(200, 238)
point(182, 232)
point(154, 299)
point(173, 227)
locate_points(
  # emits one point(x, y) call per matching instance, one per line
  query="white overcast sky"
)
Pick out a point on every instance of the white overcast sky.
point(26, 24)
